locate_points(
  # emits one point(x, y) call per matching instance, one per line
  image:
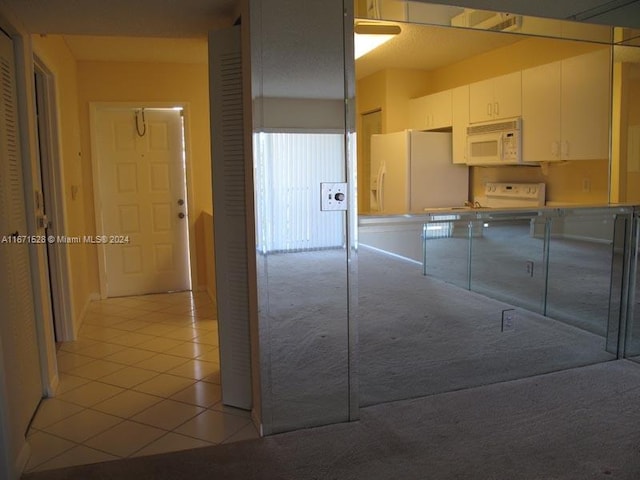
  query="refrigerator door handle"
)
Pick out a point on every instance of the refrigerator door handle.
point(382, 171)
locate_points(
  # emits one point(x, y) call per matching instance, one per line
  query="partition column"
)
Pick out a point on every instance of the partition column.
point(300, 85)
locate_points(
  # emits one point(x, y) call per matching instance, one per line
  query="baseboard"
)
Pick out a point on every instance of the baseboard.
point(209, 291)
point(23, 458)
point(212, 295)
point(93, 297)
point(53, 386)
point(257, 423)
point(391, 254)
point(581, 238)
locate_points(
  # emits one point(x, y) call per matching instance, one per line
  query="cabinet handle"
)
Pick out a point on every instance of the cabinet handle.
point(565, 148)
point(555, 148)
point(496, 108)
point(489, 110)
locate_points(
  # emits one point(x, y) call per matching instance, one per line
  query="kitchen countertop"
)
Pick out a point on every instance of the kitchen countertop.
point(551, 209)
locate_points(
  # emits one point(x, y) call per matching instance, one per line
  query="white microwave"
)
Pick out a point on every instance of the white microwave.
point(496, 143)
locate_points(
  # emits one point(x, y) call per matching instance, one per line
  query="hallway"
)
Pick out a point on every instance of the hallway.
point(142, 378)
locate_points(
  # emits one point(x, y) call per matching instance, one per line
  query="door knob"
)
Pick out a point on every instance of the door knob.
point(181, 215)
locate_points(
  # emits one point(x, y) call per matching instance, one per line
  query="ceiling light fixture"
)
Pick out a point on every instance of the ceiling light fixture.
point(369, 36)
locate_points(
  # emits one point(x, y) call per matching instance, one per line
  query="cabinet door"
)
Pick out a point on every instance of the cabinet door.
point(585, 106)
point(541, 88)
point(496, 98)
point(507, 95)
point(440, 108)
point(431, 111)
point(481, 101)
point(460, 120)
point(419, 113)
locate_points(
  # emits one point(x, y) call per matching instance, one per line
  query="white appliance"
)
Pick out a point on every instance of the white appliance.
point(495, 143)
point(510, 195)
point(412, 170)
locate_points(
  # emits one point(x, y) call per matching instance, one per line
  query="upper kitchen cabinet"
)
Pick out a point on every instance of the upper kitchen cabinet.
point(565, 109)
point(541, 112)
point(586, 106)
point(431, 111)
point(460, 120)
point(495, 98)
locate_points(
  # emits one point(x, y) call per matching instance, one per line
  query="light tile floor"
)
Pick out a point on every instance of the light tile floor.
point(142, 378)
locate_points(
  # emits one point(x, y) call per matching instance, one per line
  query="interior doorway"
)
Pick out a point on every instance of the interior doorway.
point(371, 125)
point(49, 207)
point(140, 188)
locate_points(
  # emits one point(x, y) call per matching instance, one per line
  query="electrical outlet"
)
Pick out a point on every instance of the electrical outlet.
point(508, 320)
point(529, 267)
point(333, 196)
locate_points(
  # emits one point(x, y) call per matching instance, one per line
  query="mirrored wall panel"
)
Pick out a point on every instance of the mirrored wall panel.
point(301, 224)
point(509, 295)
point(497, 257)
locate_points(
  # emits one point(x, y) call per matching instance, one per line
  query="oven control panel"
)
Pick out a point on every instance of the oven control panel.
point(514, 194)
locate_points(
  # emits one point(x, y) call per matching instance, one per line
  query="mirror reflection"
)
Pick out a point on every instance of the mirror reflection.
point(462, 280)
point(626, 153)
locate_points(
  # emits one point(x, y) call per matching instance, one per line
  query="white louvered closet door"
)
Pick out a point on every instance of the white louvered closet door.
point(17, 325)
point(230, 216)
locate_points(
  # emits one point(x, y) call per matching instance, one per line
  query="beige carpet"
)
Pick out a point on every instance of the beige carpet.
point(578, 424)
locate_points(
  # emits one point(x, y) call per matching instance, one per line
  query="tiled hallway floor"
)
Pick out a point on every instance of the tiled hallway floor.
point(142, 378)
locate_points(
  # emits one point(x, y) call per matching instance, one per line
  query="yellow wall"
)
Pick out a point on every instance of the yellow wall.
point(371, 95)
point(165, 83)
point(632, 119)
point(564, 181)
point(402, 85)
point(526, 53)
point(391, 90)
point(53, 52)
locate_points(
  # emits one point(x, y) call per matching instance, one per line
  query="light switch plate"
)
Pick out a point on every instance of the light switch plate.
point(333, 196)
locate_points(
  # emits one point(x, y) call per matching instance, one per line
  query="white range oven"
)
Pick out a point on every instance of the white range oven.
point(511, 195)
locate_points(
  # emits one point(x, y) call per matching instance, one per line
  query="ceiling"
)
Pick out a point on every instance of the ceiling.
point(138, 18)
point(421, 48)
point(192, 18)
point(138, 49)
point(176, 31)
point(623, 13)
point(172, 31)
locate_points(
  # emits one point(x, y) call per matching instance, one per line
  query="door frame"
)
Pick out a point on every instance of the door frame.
point(94, 109)
point(52, 174)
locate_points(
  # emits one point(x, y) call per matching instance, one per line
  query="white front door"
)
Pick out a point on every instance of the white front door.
point(143, 200)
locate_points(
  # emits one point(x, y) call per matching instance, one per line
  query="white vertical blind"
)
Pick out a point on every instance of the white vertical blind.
point(293, 165)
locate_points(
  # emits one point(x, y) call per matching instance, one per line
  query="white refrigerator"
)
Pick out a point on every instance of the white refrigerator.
point(412, 170)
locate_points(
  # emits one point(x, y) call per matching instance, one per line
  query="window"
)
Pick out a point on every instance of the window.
point(292, 166)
